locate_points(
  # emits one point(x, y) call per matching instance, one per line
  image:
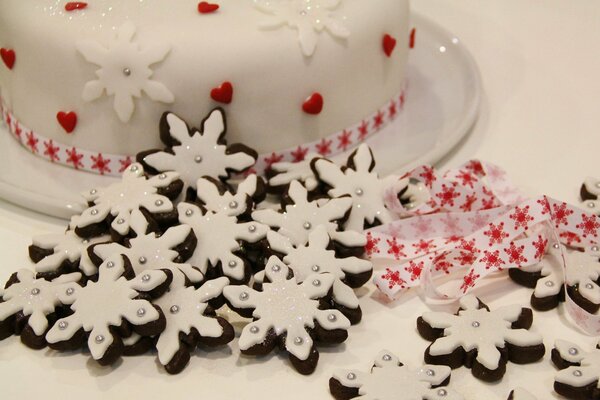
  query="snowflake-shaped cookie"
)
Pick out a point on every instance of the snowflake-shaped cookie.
point(389, 377)
point(308, 17)
point(189, 322)
point(301, 217)
point(288, 314)
point(316, 257)
point(214, 196)
point(34, 300)
point(520, 394)
point(124, 71)
point(194, 154)
point(583, 274)
point(150, 251)
point(358, 180)
point(220, 237)
point(480, 339)
point(59, 253)
point(283, 173)
point(579, 377)
point(114, 205)
point(590, 195)
point(547, 279)
point(101, 307)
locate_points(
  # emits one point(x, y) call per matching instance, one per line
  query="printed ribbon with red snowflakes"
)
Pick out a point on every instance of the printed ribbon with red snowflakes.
point(475, 223)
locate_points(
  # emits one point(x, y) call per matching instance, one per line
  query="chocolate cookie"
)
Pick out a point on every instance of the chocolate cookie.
point(580, 371)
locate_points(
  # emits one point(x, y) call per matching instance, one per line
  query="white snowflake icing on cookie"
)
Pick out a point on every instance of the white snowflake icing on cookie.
point(35, 298)
point(124, 71)
point(219, 235)
point(184, 309)
point(389, 377)
point(199, 153)
point(552, 277)
point(300, 218)
point(315, 257)
point(287, 308)
point(478, 329)
point(149, 251)
point(99, 305)
point(590, 192)
point(123, 199)
point(301, 171)
point(583, 270)
point(360, 182)
point(233, 204)
point(584, 372)
point(308, 17)
point(66, 246)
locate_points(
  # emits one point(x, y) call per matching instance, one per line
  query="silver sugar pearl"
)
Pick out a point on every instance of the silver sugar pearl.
point(331, 318)
point(174, 309)
point(94, 211)
point(549, 283)
point(35, 291)
point(573, 351)
point(577, 373)
point(133, 168)
point(591, 204)
point(254, 329)
point(189, 212)
point(252, 228)
point(69, 291)
point(85, 241)
point(430, 372)
point(93, 191)
point(442, 392)
point(307, 225)
point(595, 248)
point(276, 268)
point(99, 339)
point(359, 192)
point(142, 260)
point(316, 282)
point(315, 268)
point(145, 277)
point(351, 376)
point(62, 325)
point(475, 324)
point(298, 341)
point(162, 176)
point(158, 203)
point(110, 264)
point(198, 159)
point(232, 263)
point(386, 357)
point(556, 246)
point(141, 312)
point(589, 286)
point(244, 296)
point(597, 185)
point(120, 221)
point(233, 204)
point(126, 71)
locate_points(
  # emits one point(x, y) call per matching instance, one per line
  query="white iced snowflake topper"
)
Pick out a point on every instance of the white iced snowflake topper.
point(125, 198)
point(232, 204)
point(184, 309)
point(583, 270)
point(148, 251)
point(308, 17)
point(199, 153)
point(124, 71)
point(35, 298)
point(300, 218)
point(286, 172)
point(551, 274)
point(219, 235)
point(315, 257)
point(389, 377)
point(584, 369)
point(105, 303)
point(590, 195)
point(66, 246)
point(359, 181)
point(287, 308)
point(478, 329)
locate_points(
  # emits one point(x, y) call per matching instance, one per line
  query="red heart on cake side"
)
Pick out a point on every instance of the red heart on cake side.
point(411, 42)
point(75, 5)
point(8, 56)
point(207, 8)
point(68, 120)
point(223, 93)
point(389, 44)
point(314, 104)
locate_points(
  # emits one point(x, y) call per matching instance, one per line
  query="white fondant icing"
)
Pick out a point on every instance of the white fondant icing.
point(552, 279)
point(588, 370)
point(583, 269)
point(229, 203)
point(295, 171)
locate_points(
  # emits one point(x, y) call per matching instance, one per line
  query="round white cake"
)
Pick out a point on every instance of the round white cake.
point(94, 78)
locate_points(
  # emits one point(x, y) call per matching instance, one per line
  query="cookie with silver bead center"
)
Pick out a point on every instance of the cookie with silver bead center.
point(30, 305)
point(287, 315)
point(589, 192)
point(481, 339)
point(388, 377)
point(579, 375)
point(106, 311)
point(583, 278)
point(196, 153)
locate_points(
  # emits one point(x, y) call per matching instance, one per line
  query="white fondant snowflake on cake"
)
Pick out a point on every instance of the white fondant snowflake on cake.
point(195, 154)
point(35, 298)
point(219, 235)
point(124, 199)
point(300, 218)
point(389, 377)
point(287, 308)
point(232, 204)
point(148, 251)
point(100, 305)
point(479, 329)
point(315, 257)
point(286, 172)
point(308, 17)
point(124, 71)
point(582, 372)
point(359, 181)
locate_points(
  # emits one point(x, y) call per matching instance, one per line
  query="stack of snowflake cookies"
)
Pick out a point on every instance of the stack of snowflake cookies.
point(153, 256)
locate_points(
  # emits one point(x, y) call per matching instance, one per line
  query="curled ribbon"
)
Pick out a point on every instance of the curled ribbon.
point(475, 222)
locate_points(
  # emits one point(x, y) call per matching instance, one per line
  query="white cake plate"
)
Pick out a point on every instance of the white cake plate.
point(441, 106)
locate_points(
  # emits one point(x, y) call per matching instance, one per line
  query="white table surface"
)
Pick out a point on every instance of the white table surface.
point(540, 116)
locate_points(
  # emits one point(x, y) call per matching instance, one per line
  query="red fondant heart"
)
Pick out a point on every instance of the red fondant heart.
point(68, 120)
point(389, 43)
point(207, 8)
point(314, 104)
point(223, 93)
point(75, 5)
point(8, 56)
point(411, 42)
